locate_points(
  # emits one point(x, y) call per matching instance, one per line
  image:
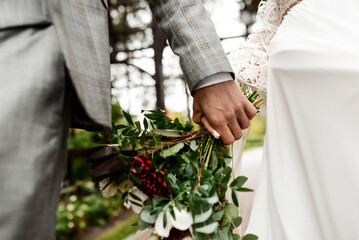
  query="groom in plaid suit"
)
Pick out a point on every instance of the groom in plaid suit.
point(55, 73)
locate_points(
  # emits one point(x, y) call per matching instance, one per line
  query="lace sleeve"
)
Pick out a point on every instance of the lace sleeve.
point(250, 61)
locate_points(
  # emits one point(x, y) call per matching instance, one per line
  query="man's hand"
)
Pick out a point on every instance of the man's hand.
point(224, 108)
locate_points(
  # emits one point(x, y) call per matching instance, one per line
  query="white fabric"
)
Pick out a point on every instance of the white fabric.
point(213, 79)
point(251, 166)
point(309, 184)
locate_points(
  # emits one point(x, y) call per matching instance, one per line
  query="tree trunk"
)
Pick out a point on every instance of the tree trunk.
point(159, 43)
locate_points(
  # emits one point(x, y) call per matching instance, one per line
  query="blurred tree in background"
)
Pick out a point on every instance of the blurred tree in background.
point(132, 34)
point(248, 12)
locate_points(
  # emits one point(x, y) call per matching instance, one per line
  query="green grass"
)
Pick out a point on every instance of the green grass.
point(121, 230)
point(256, 135)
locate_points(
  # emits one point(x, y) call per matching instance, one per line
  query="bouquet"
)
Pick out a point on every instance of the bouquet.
point(174, 178)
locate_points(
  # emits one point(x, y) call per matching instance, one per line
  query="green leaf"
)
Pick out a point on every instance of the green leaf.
point(133, 142)
point(236, 237)
point(217, 215)
point(217, 174)
point(167, 132)
point(145, 123)
point(138, 125)
point(201, 236)
point(202, 217)
point(189, 170)
point(227, 160)
point(172, 150)
point(157, 211)
point(154, 116)
point(164, 220)
point(152, 126)
point(227, 170)
point(172, 212)
point(146, 216)
point(178, 124)
point(250, 237)
point(230, 212)
point(226, 233)
point(212, 200)
point(135, 203)
point(128, 118)
point(237, 221)
point(135, 197)
point(138, 182)
point(208, 229)
point(142, 225)
point(188, 126)
point(214, 160)
point(244, 190)
point(193, 145)
point(143, 139)
point(117, 127)
point(226, 178)
point(203, 191)
point(222, 194)
point(172, 179)
point(239, 181)
point(177, 204)
point(206, 174)
point(234, 198)
point(125, 131)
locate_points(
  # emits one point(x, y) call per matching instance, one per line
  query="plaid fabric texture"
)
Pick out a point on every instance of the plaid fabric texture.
point(82, 27)
point(192, 37)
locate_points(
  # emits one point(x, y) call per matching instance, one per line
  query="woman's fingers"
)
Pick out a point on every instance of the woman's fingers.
point(230, 129)
point(223, 108)
point(251, 110)
point(209, 128)
point(219, 129)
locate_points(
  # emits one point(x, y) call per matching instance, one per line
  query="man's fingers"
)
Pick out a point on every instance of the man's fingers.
point(221, 126)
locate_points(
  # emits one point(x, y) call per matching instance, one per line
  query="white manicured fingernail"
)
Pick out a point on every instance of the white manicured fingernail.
point(215, 134)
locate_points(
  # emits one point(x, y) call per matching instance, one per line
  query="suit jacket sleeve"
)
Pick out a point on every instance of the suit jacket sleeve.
point(192, 37)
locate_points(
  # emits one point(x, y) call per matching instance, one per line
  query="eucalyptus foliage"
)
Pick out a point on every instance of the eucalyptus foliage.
point(189, 172)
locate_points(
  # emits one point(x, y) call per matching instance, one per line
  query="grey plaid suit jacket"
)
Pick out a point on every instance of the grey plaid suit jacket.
point(82, 27)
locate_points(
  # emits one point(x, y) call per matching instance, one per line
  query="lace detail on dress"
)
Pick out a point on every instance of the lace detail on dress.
point(289, 7)
point(250, 61)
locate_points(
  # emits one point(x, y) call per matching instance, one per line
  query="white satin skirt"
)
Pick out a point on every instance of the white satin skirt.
point(309, 185)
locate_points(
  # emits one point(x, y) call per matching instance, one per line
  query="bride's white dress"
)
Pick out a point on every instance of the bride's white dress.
point(309, 184)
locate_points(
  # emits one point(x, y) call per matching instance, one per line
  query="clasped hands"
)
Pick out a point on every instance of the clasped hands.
point(224, 109)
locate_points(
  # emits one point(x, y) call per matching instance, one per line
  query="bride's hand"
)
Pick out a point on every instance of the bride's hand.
point(223, 108)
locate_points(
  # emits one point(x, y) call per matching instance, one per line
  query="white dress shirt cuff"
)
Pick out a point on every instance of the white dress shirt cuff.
point(213, 79)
